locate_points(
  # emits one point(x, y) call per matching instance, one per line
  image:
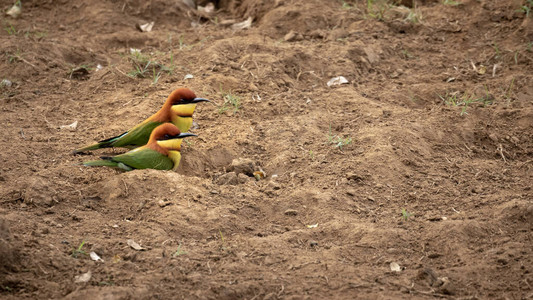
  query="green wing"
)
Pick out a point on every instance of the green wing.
point(144, 158)
point(137, 136)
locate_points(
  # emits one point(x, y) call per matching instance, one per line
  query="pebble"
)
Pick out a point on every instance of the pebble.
point(291, 212)
point(353, 176)
point(163, 203)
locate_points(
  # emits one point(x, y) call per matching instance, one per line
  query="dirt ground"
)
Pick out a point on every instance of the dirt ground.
point(413, 180)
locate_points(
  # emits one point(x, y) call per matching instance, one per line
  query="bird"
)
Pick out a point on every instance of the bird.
point(178, 110)
point(162, 152)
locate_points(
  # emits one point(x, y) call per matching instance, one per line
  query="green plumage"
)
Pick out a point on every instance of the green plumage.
point(140, 158)
point(137, 136)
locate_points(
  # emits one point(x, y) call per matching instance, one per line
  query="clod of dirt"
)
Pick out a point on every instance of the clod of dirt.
point(291, 212)
point(8, 253)
point(242, 166)
point(39, 191)
point(293, 36)
point(353, 176)
point(231, 178)
point(79, 73)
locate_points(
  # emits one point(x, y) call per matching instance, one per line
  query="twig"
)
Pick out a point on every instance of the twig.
point(25, 61)
point(123, 73)
point(473, 66)
point(494, 69)
point(22, 134)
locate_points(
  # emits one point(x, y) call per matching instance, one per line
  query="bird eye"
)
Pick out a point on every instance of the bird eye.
point(166, 137)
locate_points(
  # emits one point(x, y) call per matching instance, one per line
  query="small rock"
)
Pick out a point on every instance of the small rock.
point(85, 277)
point(214, 192)
point(351, 192)
point(353, 176)
point(291, 212)
point(39, 191)
point(313, 243)
point(293, 36)
point(163, 203)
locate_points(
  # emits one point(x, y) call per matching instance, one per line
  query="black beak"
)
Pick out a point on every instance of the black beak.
point(184, 135)
point(196, 100)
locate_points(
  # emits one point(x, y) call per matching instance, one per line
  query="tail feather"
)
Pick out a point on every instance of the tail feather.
point(93, 147)
point(107, 143)
point(99, 163)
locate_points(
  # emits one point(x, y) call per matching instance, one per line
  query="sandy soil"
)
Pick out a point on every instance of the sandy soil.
point(422, 162)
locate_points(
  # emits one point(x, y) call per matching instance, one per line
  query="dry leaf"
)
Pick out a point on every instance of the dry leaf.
point(85, 277)
point(135, 246)
point(95, 256)
point(337, 81)
point(145, 27)
point(14, 11)
point(208, 9)
point(395, 267)
point(71, 127)
point(242, 25)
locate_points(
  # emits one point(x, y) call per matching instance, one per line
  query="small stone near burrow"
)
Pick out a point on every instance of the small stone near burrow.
point(291, 212)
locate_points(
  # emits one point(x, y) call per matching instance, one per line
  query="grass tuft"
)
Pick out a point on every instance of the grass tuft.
point(231, 102)
point(338, 141)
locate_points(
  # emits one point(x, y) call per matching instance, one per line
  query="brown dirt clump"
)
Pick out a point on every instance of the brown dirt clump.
point(412, 180)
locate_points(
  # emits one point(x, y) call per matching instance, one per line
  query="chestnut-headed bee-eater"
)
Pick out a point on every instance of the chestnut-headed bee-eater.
point(178, 110)
point(162, 152)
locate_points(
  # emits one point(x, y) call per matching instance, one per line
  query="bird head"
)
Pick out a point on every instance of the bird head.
point(168, 136)
point(183, 102)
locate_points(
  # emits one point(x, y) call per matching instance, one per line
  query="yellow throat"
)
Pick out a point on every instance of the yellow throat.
point(173, 144)
point(175, 156)
point(182, 116)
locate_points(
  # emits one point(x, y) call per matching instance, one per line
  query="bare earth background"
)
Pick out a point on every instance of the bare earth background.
point(435, 122)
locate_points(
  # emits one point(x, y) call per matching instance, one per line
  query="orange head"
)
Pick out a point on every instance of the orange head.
point(166, 137)
point(183, 96)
